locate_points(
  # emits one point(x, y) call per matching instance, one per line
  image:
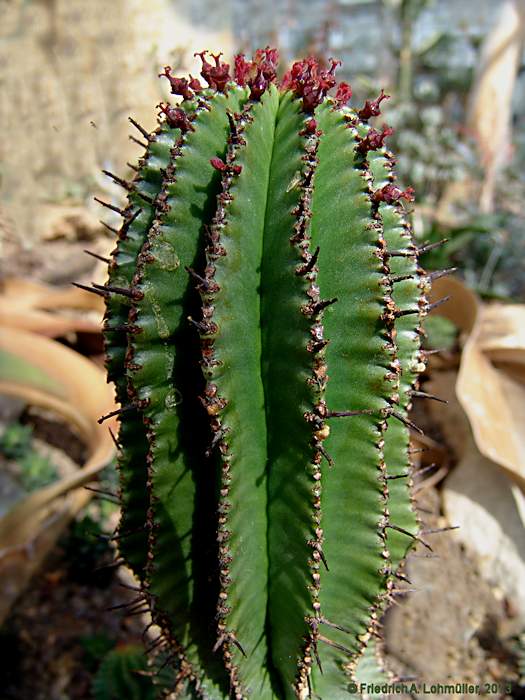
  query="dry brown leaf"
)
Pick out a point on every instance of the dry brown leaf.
point(495, 405)
point(37, 307)
point(490, 108)
point(480, 499)
point(45, 373)
point(502, 335)
point(488, 507)
point(490, 383)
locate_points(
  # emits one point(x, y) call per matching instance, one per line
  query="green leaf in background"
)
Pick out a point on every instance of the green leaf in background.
point(119, 676)
point(35, 469)
point(15, 441)
point(96, 647)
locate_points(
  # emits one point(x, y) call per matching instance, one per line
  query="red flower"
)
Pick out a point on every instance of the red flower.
point(391, 194)
point(217, 76)
point(374, 139)
point(372, 108)
point(307, 80)
point(343, 94)
point(176, 117)
point(179, 86)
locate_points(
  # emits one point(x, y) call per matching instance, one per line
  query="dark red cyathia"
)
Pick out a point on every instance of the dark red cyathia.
point(390, 194)
point(179, 86)
point(343, 94)
point(176, 117)
point(372, 108)
point(217, 76)
point(374, 139)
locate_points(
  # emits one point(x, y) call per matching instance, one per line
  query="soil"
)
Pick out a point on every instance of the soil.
point(45, 644)
point(453, 628)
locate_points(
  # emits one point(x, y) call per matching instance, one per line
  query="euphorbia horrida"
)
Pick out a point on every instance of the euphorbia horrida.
point(262, 331)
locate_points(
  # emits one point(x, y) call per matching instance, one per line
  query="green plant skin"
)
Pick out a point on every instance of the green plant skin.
point(171, 383)
point(121, 675)
point(406, 294)
point(239, 380)
point(271, 553)
point(141, 214)
point(288, 395)
point(359, 363)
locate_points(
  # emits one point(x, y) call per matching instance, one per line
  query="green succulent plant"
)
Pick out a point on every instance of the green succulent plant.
point(262, 330)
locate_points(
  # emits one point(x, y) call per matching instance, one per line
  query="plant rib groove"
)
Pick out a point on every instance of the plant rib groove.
point(242, 463)
point(292, 349)
point(313, 310)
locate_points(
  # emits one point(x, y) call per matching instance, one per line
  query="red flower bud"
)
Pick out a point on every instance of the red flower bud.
point(218, 164)
point(221, 166)
point(343, 94)
point(311, 126)
point(372, 108)
point(374, 139)
point(390, 194)
point(176, 117)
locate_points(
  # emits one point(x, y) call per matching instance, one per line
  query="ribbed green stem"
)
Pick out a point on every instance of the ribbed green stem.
point(359, 358)
point(262, 331)
point(181, 539)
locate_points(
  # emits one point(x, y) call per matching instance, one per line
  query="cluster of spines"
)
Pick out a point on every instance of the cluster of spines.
point(119, 361)
point(180, 119)
point(390, 194)
point(117, 330)
point(310, 84)
point(392, 376)
point(418, 362)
